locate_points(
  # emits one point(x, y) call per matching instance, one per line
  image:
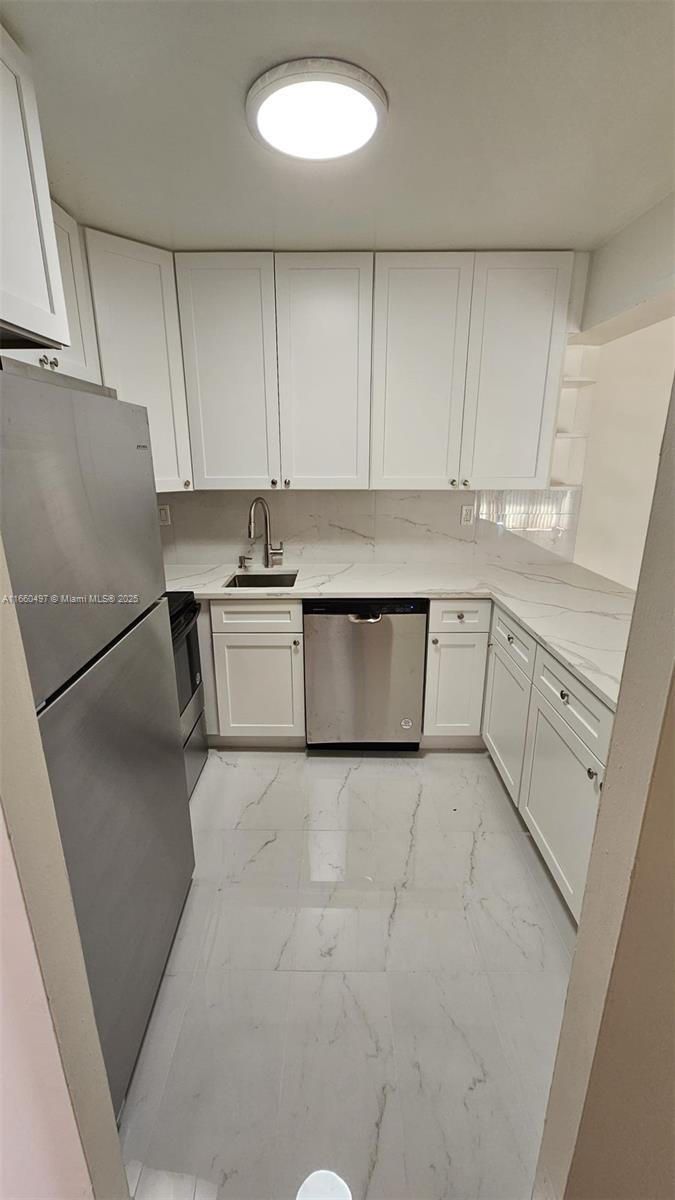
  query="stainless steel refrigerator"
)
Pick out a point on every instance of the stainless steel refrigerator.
point(79, 522)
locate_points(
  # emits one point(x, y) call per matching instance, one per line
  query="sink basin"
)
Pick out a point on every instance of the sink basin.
point(247, 579)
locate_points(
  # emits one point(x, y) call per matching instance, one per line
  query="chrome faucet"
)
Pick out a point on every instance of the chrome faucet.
point(272, 555)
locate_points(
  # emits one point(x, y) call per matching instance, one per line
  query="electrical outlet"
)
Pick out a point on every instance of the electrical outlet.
point(164, 514)
point(466, 517)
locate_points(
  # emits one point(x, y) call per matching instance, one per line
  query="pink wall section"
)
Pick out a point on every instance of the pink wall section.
point(41, 1154)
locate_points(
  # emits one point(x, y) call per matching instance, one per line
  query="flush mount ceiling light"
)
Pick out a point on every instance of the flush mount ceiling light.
point(315, 108)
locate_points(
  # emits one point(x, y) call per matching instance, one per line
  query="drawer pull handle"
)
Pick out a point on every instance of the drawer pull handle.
point(591, 773)
point(434, 641)
point(564, 696)
point(510, 639)
point(460, 616)
point(296, 641)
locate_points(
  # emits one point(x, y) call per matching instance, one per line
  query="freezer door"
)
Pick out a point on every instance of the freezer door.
point(79, 517)
point(113, 747)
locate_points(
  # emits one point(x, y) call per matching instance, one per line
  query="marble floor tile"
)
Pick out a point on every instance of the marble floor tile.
point(338, 857)
point(187, 943)
point(258, 857)
point(509, 919)
point(426, 930)
point(340, 930)
point(456, 1090)
point(368, 976)
point(537, 869)
point(219, 1111)
point(339, 1101)
point(250, 929)
point(147, 1086)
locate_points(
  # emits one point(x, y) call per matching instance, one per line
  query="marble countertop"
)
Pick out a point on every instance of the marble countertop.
point(581, 617)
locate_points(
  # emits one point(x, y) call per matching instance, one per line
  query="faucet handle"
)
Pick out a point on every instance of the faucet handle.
point(276, 555)
point(244, 560)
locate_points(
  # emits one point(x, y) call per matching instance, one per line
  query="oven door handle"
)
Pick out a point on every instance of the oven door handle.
point(356, 619)
point(180, 633)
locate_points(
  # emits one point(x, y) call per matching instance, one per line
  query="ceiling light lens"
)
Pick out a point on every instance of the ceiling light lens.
point(316, 108)
point(317, 119)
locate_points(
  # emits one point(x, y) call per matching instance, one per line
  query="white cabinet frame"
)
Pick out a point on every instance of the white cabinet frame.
point(140, 346)
point(257, 675)
point(419, 366)
point(453, 695)
point(513, 388)
point(324, 320)
point(32, 237)
point(231, 367)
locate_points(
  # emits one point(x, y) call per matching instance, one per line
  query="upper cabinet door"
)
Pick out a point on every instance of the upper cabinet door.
point(32, 304)
point(81, 357)
point(134, 293)
point(516, 348)
point(420, 338)
point(229, 346)
point(324, 319)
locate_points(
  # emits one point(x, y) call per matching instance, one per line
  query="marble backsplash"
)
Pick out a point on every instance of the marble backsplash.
point(323, 526)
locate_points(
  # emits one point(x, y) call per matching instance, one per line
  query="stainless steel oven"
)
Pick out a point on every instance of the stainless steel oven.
point(184, 611)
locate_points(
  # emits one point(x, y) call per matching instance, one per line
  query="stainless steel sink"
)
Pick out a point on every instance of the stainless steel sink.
point(273, 579)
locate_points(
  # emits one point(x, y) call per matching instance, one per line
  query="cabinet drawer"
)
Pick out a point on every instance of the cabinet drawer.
point(508, 634)
point(588, 716)
point(453, 616)
point(256, 616)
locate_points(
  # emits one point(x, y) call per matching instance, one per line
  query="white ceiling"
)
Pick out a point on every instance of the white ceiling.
point(511, 124)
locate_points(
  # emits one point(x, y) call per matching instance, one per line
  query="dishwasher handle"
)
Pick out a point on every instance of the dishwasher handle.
point(357, 619)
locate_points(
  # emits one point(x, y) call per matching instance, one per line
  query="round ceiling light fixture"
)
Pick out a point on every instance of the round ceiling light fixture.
point(316, 108)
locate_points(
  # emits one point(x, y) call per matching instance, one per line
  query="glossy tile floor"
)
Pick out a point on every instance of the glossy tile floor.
point(368, 977)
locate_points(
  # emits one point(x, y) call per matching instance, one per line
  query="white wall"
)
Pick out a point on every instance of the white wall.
point(634, 271)
point(629, 405)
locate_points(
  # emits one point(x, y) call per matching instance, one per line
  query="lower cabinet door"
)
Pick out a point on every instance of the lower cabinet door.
point(453, 699)
point(259, 684)
point(507, 699)
point(559, 797)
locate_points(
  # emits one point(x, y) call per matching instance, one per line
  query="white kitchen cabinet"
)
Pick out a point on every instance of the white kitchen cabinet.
point(134, 294)
point(559, 797)
point(507, 700)
point(324, 319)
point(229, 347)
point(32, 303)
point(420, 338)
point(80, 358)
point(453, 697)
point(260, 684)
point(517, 342)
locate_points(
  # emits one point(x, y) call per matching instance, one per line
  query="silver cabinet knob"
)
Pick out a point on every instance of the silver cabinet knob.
point(296, 641)
point(43, 360)
point(564, 696)
point(187, 483)
point(287, 483)
point(434, 641)
point(510, 639)
point(466, 483)
point(460, 616)
point(452, 482)
point(53, 362)
point(591, 773)
point(274, 482)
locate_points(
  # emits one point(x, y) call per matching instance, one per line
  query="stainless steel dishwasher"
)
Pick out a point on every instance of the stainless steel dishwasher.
point(364, 672)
